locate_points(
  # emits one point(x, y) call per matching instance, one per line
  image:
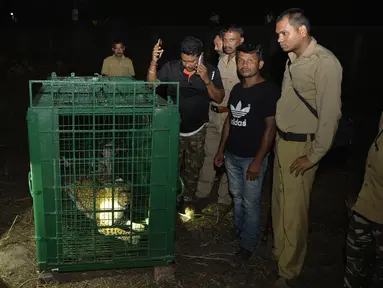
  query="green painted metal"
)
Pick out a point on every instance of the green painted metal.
point(119, 135)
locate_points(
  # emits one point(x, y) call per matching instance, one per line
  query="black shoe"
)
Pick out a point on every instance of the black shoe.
point(241, 256)
point(264, 250)
point(282, 282)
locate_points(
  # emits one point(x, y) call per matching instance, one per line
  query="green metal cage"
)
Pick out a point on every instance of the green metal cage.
point(103, 172)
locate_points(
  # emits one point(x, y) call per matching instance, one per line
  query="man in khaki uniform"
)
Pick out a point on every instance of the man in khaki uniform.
point(366, 225)
point(218, 45)
point(232, 38)
point(302, 139)
point(118, 64)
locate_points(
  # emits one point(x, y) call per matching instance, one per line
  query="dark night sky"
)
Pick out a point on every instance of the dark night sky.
point(183, 13)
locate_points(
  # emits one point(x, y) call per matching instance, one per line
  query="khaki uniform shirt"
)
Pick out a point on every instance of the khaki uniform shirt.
point(317, 76)
point(370, 199)
point(113, 66)
point(228, 71)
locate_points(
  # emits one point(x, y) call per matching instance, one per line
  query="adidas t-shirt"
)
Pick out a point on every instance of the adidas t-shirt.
point(248, 109)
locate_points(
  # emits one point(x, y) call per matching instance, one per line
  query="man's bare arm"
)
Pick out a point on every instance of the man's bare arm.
point(225, 134)
point(267, 138)
point(151, 75)
point(215, 94)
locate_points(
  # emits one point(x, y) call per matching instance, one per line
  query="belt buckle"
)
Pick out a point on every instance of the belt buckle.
point(215, 108)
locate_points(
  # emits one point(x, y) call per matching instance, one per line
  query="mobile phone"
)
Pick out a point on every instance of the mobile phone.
point(159, 42)
point(200, 59)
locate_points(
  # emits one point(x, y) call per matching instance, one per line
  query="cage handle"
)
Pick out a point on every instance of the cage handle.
point(182, 186)
point(30, 182)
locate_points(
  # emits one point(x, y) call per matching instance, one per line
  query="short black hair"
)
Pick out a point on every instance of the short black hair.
point(115, 42)
point(296, 17)
point(249, 48)
point(232, 28)
point(191, 46)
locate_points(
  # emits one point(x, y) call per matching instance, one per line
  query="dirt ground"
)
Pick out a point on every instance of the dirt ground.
point(203, 245)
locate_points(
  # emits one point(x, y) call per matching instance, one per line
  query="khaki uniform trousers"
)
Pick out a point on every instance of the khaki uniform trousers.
point(290, 206)
point(207, 173)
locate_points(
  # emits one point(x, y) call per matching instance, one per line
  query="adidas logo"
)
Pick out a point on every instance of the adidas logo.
point(239, 112)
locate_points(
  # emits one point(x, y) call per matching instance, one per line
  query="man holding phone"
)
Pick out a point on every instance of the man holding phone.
point(199, 83)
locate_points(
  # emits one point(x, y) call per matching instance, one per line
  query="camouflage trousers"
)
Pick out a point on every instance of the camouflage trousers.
point(364, 251)
point(190, 158)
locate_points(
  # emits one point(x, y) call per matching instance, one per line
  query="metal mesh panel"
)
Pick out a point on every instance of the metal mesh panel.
point(93, 92)
point(105, 164)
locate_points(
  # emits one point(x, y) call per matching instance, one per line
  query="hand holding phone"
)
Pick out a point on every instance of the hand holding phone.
point(200, 59)
point(159, 43)
point(157, 51)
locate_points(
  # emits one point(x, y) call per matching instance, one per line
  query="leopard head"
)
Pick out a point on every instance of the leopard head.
point(123, 196)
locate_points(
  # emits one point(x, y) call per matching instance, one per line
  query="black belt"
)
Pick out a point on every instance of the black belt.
point(294, 137)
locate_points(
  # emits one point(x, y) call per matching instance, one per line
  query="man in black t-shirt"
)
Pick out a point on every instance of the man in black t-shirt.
point(199, 83)
point(247, 138)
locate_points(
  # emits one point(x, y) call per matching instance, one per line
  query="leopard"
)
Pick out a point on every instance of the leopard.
point(87, 191)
